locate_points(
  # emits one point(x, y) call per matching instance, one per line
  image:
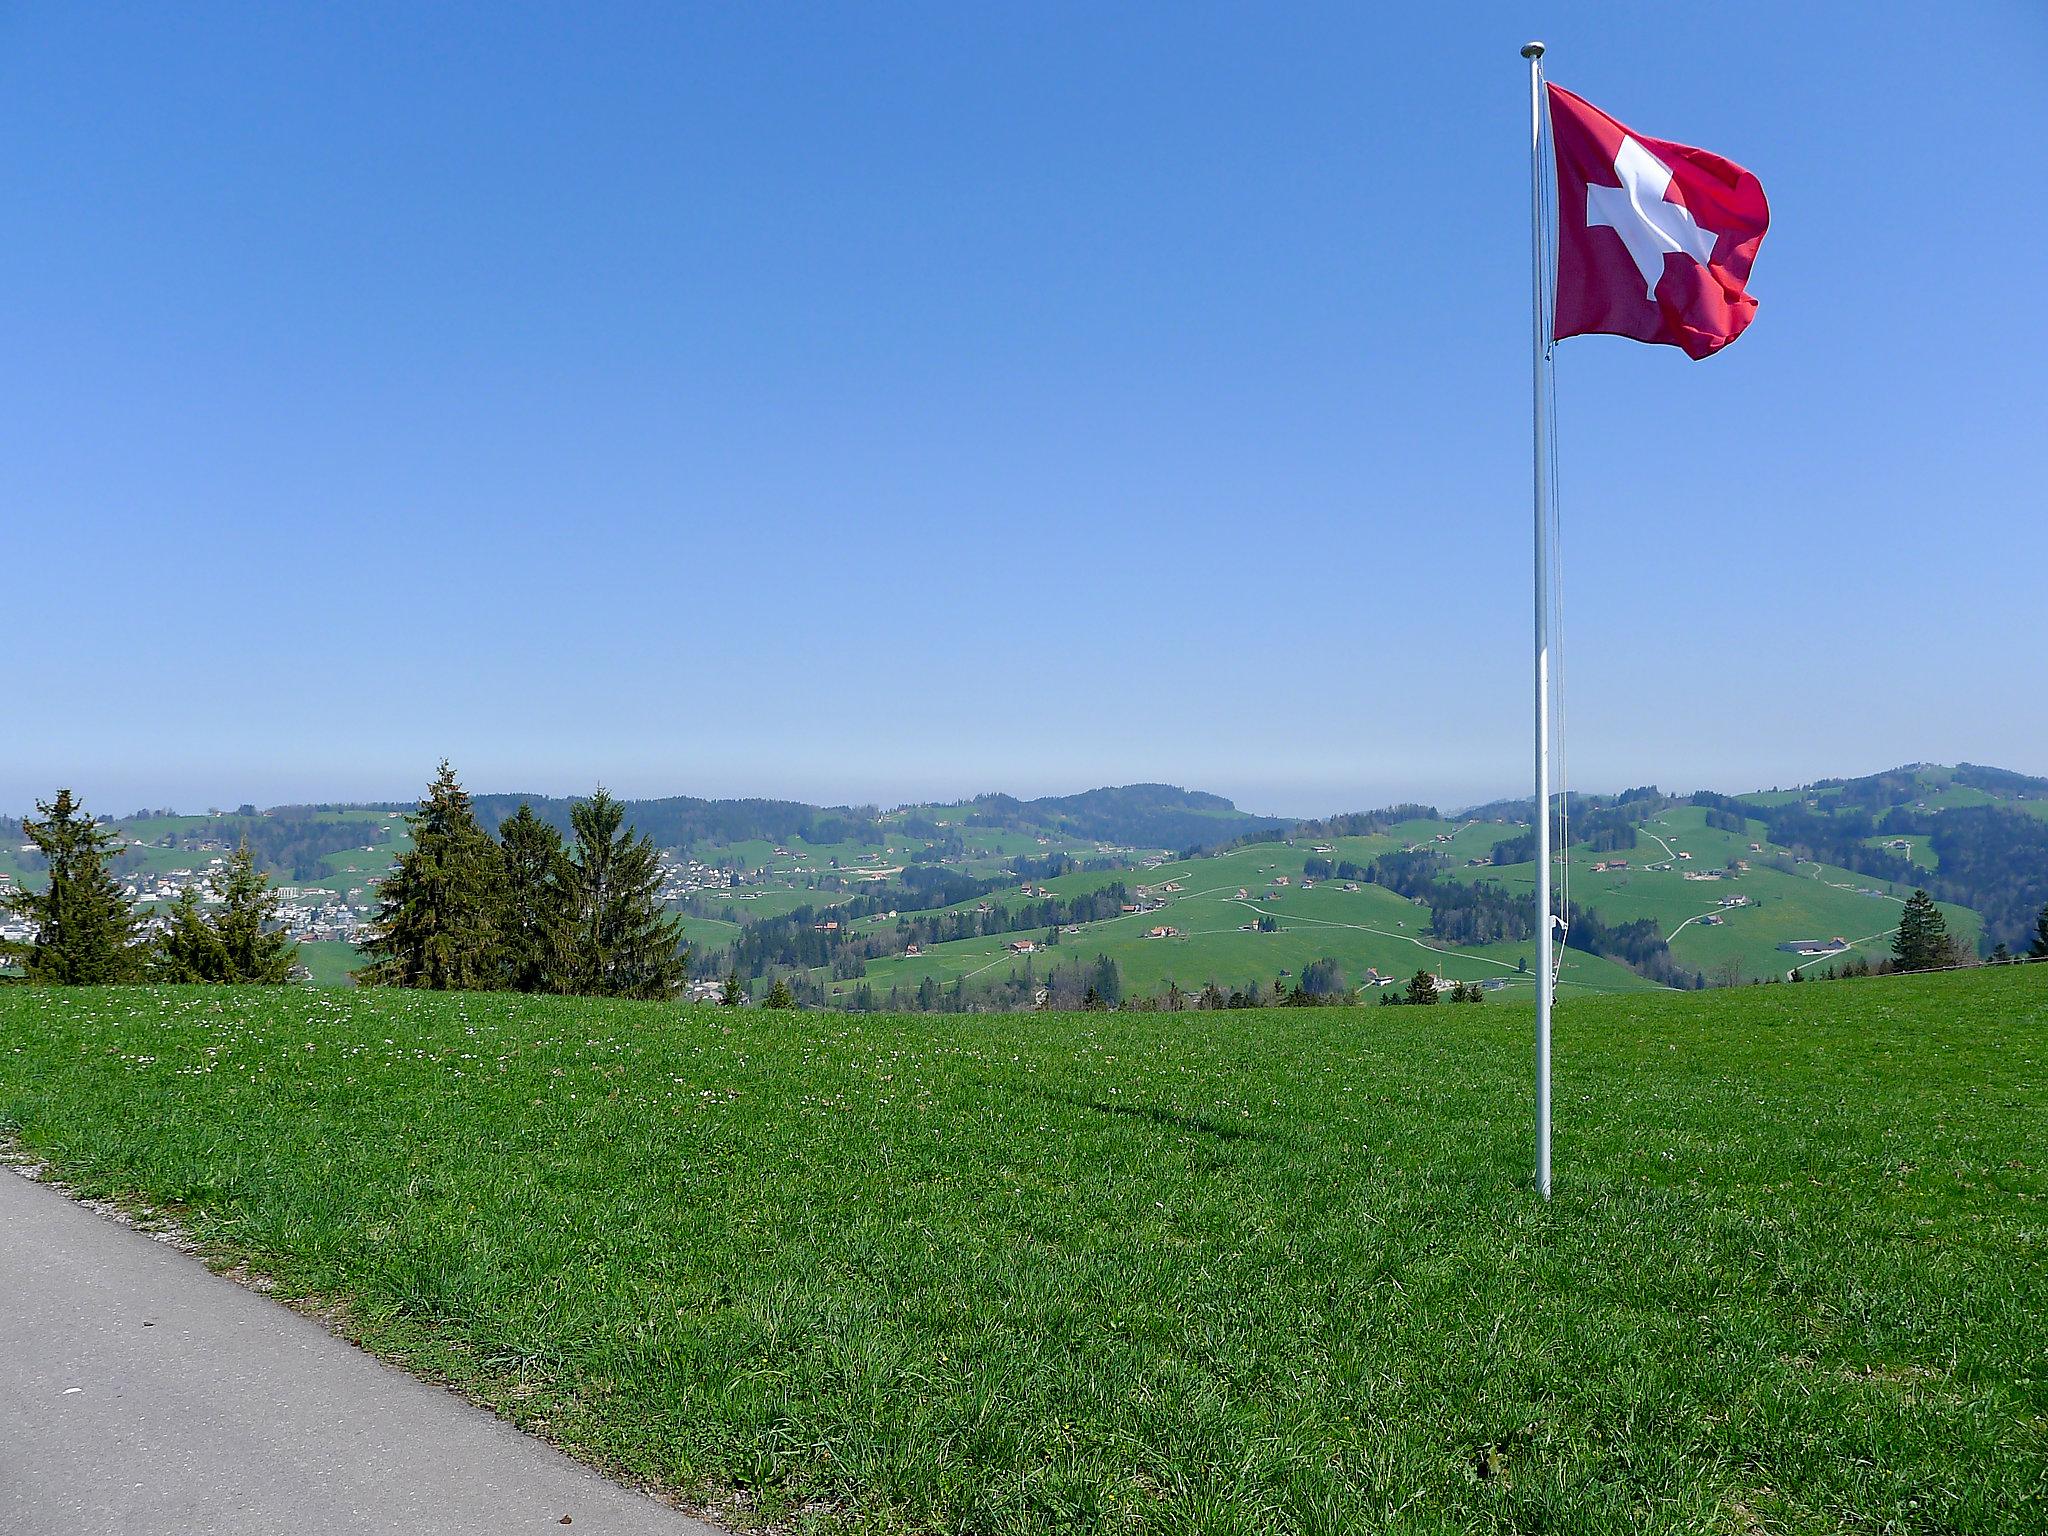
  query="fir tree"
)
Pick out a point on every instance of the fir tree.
point(779, 995)
point(731, 994)
point(619, 940)
point(1422, 988)
point(437, 917)
point(2038, 950)
point(1922, 941)
point(85, 929)
point(534, 896)
point(239, 943)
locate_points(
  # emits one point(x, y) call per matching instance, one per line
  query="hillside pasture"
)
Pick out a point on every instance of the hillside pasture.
point(1275, 1271)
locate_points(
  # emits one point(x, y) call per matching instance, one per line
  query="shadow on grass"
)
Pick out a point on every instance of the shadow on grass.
point(1225, 1129)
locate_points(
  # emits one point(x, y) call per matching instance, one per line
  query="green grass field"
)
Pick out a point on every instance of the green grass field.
point(1226, 1272)
point(329, 962)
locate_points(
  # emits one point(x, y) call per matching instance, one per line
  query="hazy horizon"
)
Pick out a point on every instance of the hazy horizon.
point(1297, 799)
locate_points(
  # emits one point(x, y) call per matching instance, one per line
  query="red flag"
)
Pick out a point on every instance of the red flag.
point(1654, 239)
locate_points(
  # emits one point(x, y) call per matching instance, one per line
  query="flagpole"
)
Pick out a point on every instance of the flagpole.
point(1533, 52)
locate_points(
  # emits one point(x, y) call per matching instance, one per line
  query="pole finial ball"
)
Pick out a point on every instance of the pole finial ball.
point(1532, 50)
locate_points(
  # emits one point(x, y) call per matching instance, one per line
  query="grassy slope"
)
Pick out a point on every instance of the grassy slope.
point(1819, 902)
point(329, 962)
point(1369, 927)
point(1221, 1272)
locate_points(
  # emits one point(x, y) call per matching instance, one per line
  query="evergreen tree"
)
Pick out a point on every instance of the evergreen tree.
point(620, 942)
point(534, 886)
point(437, 911)
point(240, 943)
point(2038, 950)
point(779, 995)
point(1922, 941)
point(1422, 988)
point(731, 994)
point(85, 929)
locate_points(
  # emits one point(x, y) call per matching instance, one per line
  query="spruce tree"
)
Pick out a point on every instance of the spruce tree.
point(619, 941)
point(1922, 941)
point(535, 901)
point(1422, 988)
point(437, 917)
point(730, 993)
point(85, 928)
point(779, 995)
point(241, 943)
point(2038, 950)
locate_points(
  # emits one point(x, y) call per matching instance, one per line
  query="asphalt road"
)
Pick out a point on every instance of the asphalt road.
point(142, 1395)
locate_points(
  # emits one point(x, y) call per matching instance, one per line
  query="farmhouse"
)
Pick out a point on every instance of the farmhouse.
point(1022, 946)
point(1162, 933)
point(1814, 946)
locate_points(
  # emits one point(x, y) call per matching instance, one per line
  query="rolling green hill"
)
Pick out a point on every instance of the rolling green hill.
point(923, 904)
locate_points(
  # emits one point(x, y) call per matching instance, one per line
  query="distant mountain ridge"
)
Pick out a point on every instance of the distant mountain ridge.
point(1129, 815)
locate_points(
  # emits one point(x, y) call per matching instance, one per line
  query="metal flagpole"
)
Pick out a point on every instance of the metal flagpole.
point(1533, 52)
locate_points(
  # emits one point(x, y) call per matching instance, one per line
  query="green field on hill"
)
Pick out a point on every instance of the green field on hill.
point(1273, 1271)
point(1729, 902)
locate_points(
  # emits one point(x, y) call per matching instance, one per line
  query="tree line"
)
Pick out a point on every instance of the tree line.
point(88, 934)
point(528, 910)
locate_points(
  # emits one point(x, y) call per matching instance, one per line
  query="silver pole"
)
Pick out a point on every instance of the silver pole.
point(1533, 52)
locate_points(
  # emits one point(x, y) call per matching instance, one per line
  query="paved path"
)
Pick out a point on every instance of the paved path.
point(142, 1395)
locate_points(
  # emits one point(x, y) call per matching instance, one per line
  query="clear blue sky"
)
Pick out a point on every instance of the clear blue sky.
point(879, 402)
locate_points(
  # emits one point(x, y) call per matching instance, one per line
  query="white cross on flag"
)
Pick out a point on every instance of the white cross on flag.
point(1654, 239)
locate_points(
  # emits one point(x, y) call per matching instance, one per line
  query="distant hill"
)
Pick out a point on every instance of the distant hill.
point(994, 900)
point(1135, 815)
point(1132, 815)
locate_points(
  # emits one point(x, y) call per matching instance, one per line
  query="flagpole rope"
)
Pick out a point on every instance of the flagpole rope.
point(1561, 737)
point(1559, 651)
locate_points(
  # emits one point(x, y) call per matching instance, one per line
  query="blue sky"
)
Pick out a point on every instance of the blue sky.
point(881, 402)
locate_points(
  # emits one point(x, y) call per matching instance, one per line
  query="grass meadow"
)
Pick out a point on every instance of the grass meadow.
point(1247, 1271)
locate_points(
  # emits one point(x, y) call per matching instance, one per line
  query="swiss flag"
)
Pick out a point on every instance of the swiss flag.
point(1654, 239)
